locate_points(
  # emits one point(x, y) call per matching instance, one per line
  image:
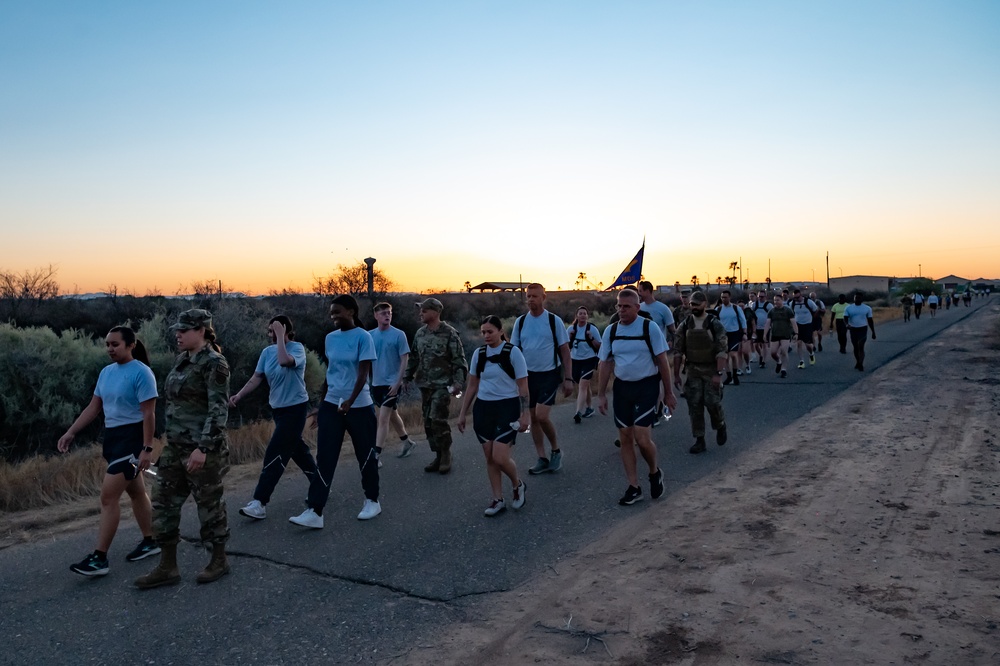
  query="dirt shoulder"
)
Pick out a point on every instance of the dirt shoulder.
point(867, 532)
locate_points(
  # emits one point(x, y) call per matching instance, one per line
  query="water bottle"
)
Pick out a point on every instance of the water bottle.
point(516, 425)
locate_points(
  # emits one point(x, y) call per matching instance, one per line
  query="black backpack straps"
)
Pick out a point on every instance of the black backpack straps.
point(612, 336)
point(481, 361)
point(519, 326)
point(555, 340)
point(645, 334)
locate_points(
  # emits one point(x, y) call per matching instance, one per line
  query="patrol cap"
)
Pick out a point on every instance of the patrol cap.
point(698, 297)
point(430, 304)
point(685, 292)
point(189, 319)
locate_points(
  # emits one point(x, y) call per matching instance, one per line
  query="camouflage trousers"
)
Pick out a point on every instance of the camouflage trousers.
point(436, 403)
point(701, 394)
point(173, 486)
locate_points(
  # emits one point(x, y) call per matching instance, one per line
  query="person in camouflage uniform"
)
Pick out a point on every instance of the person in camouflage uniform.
point(438, 365)
point(196, 456)
point(701, 343)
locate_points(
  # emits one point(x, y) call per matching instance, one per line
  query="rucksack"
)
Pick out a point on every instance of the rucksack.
point(613, 335)
point(502, 359)
point(572, 335)
point(519, 325)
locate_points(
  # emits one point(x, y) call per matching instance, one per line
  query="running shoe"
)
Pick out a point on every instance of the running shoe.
point(254, 509)
point(588, 412)
point(784, 373)
point(739, 373)
point(801, 365)
point(761, 365)
point(369, 510)
point(812, 359)
point(91, 565)
point(495, 507)
point(748, 369)
point(577, 417)
point(519, 495)
point(656, 484)
point(721, 436)
point(540, 467)
point(555, 462)
point(143, 550)
point(408, 447)
point(631, 496)
point(308, 518)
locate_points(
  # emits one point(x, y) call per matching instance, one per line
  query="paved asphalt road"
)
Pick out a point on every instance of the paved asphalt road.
point(361, 592)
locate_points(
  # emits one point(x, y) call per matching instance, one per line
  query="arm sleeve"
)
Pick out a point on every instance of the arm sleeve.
point(217, 383)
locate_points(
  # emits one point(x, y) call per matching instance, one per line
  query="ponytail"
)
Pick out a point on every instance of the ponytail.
point(210, 339)
point(139, 352)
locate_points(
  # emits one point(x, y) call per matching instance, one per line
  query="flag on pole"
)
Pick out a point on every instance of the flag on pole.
point(632, 272)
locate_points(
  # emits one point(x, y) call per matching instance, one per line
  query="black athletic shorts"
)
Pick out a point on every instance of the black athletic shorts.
point(635, 402)
point(806, 333)
point(758, 336)
point(543, 386)
point(491, 420)
point(381, 397)
point(584, 369)
point(735, 339)
point(122, 446)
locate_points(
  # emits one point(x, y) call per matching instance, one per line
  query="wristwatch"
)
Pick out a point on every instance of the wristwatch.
point(147, 449)
point(721, 372)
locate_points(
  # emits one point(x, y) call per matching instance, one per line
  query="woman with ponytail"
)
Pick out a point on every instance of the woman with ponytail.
point(196, 455)
point(126, 394)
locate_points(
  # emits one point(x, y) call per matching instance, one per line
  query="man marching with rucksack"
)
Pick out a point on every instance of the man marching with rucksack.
point(702, 343)
point(543, 340)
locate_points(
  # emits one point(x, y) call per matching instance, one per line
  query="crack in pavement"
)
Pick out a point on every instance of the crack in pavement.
point(353, 579)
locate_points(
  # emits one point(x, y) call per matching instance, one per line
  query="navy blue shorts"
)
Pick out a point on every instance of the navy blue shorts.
point(491, 420)
point(122, 446)
point(635, 402)
point(381, 397)
point(734, 340)
point(584, 369)
point(543, 386)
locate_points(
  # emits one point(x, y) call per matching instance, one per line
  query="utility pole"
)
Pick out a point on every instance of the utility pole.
point(827, 269)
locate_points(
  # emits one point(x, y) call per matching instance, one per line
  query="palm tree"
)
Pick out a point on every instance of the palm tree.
point(694, 280)
point(468, 286)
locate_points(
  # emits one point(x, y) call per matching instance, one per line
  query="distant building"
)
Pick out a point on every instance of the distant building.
point(861, 283)
point(499, 286)
point(952, 282)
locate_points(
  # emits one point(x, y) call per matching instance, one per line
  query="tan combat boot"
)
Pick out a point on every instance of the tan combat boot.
point(436, 465)
point(445, 465)
point(217, 567)
point(165, 573)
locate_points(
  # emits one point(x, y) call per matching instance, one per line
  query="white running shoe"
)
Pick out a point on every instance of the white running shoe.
point(518, 496)
point(308, 518)
point(370, 509)
point(254, 510)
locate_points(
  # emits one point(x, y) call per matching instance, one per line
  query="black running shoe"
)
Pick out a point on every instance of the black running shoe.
point(721, 436)
point(656, 484)
point(143, 550)
point(577, 417)
point(91, 566)
point(631, 496)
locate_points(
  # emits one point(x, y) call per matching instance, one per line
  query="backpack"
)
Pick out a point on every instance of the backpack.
point(574, 341)
point(613, 335)
point(502, 359)
point(519, 325)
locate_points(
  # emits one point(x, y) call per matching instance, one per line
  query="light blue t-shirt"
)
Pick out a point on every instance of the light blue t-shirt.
point(123, 387)
point(632, 358)
point(288, 385)
point(495, 383)
point(659, 313)
point(535, 340)
point(579, 348)
point(732, 317)
point(344, 352)
point(390, 346)
point(857, 315)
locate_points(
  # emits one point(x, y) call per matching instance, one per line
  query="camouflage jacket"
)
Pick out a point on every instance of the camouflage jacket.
point(437, 358)
point(197, 393)
point(720, 341)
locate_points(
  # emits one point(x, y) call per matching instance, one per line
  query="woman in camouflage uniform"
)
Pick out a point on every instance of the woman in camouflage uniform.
point(196, 456)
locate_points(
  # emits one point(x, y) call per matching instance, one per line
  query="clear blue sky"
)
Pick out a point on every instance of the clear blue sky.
point(262, 143)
